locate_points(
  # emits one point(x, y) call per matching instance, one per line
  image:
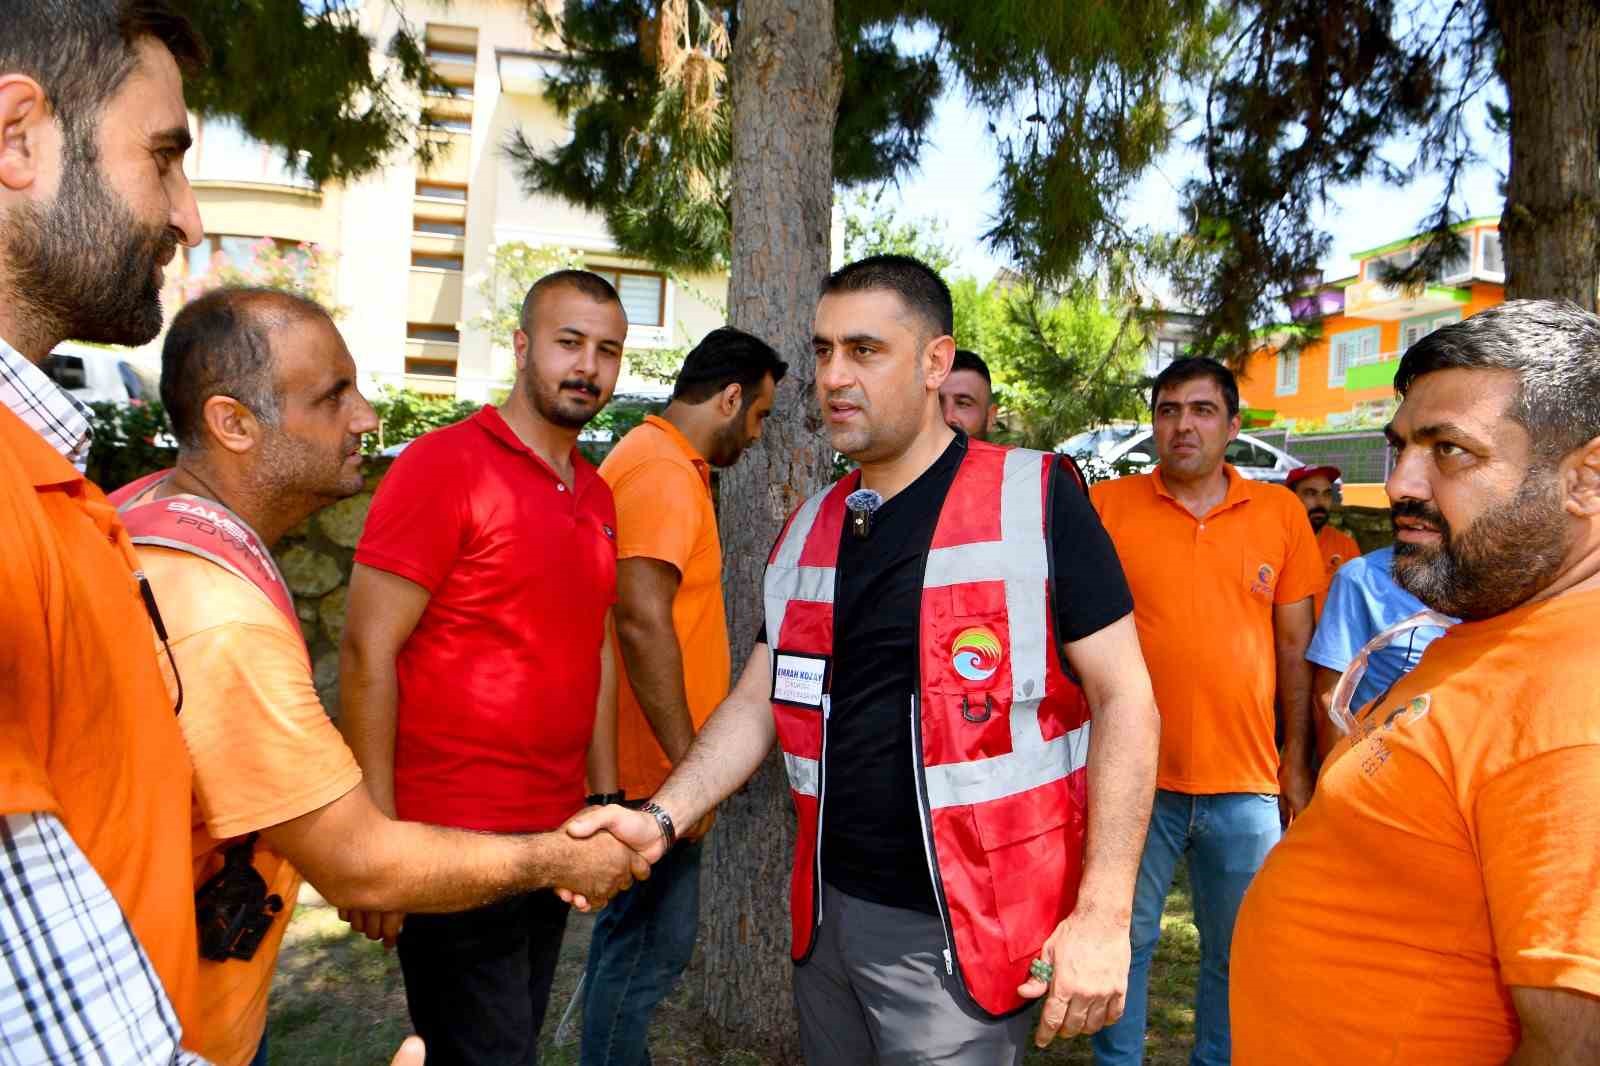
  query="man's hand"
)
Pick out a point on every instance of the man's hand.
point(591, 867)
point(1295, 784)
point(636, 829)
point(375, 925)
point(1090, 956)
point(411, 1053)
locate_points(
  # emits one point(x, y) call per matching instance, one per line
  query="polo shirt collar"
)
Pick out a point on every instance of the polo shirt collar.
point(1238, 490)
point(675, 435)
point(493, 423)
point(46, 408)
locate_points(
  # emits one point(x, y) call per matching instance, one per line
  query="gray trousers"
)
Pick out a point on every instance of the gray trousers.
point(874, 993)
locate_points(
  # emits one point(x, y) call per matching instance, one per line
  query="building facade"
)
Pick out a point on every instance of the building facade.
point(411, 246)
point(1345, 373)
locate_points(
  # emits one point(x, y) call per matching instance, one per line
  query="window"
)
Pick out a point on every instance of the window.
point(1350, 349)
point(643, 293)
point(1288, 373)
point(1243, 453)
point(451, 92)
point(1161, 356)
point(437, 334)
point(433, 368)
point(231, 250)
point(435, 262)
point(439, 190)
point(1494, 258)
point(224, 152)
point(452, 123)
point(1413, 330)
point(67, 371)
point(444, 227)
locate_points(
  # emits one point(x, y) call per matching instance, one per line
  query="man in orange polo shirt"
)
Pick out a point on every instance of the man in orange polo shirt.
point(1437, 903)
point(672, 643)
point(97, 919)
point(1222, 571)
point(1314, 486)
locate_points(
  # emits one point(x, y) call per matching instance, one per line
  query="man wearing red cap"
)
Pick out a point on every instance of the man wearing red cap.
point(1314, 486)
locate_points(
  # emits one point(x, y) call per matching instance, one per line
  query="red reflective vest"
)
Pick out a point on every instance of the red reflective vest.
point(1000, 731)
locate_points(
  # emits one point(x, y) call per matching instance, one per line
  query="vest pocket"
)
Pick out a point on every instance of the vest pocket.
point(1032, 845)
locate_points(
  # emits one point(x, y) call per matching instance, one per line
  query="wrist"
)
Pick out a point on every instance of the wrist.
point(664, 822)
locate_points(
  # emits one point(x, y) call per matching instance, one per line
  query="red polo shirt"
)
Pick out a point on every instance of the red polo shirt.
point(499, 679)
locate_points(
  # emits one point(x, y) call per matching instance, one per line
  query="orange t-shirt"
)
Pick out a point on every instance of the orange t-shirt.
point(1203, 593)
point(1451, 851)
point(1338, 548)
point(664, 511)
point(264, 753)
point(87, 731)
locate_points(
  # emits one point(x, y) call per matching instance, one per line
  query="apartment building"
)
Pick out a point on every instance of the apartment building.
point(412, 244)
point(1347, 370)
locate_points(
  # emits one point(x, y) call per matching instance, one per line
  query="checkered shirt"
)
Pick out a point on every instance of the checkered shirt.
point(57, 415)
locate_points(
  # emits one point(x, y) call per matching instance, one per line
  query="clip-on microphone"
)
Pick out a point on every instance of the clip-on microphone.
point(861, 504)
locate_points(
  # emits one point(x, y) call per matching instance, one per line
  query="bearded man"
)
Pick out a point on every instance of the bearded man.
point(477, 665)
point(1436, 901)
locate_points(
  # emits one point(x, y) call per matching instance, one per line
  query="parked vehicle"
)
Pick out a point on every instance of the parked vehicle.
point(1128, 445)
point(94, 375)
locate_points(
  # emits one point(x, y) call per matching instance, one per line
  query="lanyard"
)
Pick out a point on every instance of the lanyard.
point(1350, 680)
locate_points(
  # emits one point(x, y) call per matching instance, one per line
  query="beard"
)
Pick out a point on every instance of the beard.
point(295, 468)
point(84, 267)
point(728, 443)
point(1319, 518)
point(563, 408)
point(1499, 562)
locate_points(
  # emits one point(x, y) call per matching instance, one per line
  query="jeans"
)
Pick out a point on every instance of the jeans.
point(478, 982)
point(261, 1052)
point(1226, 838)
point(642, 942)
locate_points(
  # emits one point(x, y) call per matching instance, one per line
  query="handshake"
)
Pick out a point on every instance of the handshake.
point(601, 851)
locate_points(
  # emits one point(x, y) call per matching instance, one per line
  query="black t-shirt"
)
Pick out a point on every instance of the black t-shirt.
point(872, 843)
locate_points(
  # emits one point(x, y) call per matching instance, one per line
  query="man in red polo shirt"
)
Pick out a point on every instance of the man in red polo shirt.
point(476, 658)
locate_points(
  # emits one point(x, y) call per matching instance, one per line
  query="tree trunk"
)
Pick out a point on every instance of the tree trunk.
point(1551, 224)
point(785, 76)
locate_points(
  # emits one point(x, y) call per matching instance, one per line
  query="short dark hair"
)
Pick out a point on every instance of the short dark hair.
point(81, 51)
point(587, 282)
point(1553, 346)
point(972, 361)
point(220, 345)
point(917, 284)
point(1189, 368)
point(724, 357)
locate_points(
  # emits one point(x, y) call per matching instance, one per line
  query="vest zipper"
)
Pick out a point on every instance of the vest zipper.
point(822, 790)
point(925, 819)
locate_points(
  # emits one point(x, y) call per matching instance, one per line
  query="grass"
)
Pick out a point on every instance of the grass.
point(338, 1000)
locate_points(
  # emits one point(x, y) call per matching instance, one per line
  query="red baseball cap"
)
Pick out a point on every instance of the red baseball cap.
point(1300, 473)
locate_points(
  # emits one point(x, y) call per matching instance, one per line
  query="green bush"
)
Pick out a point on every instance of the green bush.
point(405, 415)
point(130, 441)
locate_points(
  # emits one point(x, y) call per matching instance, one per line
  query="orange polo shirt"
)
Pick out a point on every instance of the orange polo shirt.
point(264, 753)
point(87, 731)
point(1203, 593)
point(1338, 548)
point(665, 511)
point(1451, 852)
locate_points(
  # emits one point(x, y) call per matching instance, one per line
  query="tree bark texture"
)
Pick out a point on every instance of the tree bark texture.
point(785, 76)
point(1551, 223)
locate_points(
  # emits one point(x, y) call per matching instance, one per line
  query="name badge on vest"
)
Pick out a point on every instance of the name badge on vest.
point(800, 680)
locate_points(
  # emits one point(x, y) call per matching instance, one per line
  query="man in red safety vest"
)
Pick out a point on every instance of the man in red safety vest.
point(941, 627)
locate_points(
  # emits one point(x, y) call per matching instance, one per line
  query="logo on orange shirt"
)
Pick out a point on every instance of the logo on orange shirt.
point(1264, 579)
point(975, 653)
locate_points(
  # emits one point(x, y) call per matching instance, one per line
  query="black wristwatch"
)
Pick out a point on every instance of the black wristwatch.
point(600, 799)
point(668, 832)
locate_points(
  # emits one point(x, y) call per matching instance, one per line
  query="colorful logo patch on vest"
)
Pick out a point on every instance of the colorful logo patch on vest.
point(975, 653)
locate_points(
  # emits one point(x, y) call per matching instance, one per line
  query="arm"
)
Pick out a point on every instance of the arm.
point(75, 982)
point(603, 745)
point(728, 750)
point(1323, 683)
point(645, 591)
point(360, 859)
point(1292, 624)
point(1090, 949)
point(382, 612)
point(1559, 1027)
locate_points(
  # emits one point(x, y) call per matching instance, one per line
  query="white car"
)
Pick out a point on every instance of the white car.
point(99, 374)
point(1129, 445)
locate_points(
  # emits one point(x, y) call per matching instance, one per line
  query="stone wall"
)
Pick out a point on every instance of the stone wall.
point(1369, 525)
point(316, 559)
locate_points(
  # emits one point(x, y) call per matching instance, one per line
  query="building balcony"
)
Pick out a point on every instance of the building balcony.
point(452, 162)
point(525, 73)
point(1387, 303)
point(1375, 372)
point(434, 295)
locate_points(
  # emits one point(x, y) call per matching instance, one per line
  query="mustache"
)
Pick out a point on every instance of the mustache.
point(1318, 510)
point(1421, 512)
point(582, 384)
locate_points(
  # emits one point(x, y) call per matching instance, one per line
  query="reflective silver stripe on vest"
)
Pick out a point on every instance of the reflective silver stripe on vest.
point(802, 773)
point(955, 784)
point(1019, 560)
point(813, 583)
